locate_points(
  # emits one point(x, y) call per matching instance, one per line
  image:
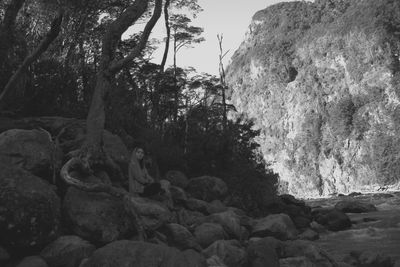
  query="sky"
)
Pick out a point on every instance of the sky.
point(228, 17)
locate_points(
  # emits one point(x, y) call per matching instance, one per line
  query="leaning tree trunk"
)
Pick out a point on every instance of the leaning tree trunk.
point(92, 149)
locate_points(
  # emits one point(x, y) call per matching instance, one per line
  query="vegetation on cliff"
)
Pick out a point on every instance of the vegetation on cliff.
point(326, 80)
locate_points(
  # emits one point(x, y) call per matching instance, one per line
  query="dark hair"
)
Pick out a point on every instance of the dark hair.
point(141, 161)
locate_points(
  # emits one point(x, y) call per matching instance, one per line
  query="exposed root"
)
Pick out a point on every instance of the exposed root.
point(76, 163)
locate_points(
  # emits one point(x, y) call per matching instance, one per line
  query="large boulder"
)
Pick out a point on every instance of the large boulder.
point(97, 217)
point(322, 90)
point(332, 219)
point(154, 214)
point(208, 233)
point(67, 251)
point(32, 150)
point(29, 209)
point(229, 251)
point(140, 254)
point(276, 225)
point(115, 148)
point(261, 253)
point(207, 188)
point(348, 206)
point(177, 178)
point(179, 236)
point(229, 220)
point(32, 261)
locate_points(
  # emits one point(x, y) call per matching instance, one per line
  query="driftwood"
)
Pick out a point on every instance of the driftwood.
point(77, 164)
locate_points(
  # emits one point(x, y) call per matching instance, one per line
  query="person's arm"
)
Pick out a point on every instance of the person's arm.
point(136, 173)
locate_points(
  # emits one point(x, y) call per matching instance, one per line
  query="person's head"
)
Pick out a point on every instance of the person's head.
point(139, 153)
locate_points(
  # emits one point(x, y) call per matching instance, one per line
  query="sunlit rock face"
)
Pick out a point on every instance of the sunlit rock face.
point(321, 80)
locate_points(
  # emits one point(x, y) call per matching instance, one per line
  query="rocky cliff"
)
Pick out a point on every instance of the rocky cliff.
point(322, 81)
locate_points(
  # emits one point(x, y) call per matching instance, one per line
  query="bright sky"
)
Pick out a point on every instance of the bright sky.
point(229, 17)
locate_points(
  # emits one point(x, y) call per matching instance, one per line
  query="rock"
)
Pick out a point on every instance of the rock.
point(32, 150)
point(189, 218)
point(67, 251)
point(207, 188)
point(215, 261)
point(180, 237)
point(261, 253)
point(302, 248)
point(216, 206)
point(277, 225)
point(29, 209)
point(153, 213)
point(229, 251)
point(369, 259)
point(301, 222)
point(332, 219)
point(317, 102)
point(354, 207)
point(229, 220)
point(140, 254)
point(32, 261)
point(116, 149)
point(289, 199)
point(97, 217)
point(208, 233)
point(296, 262)
point(309, 234)
point(177, 178)
point(178, 195)
point(197, 205)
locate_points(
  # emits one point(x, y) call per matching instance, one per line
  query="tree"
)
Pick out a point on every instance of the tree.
point(92, 152)
point(6, 29)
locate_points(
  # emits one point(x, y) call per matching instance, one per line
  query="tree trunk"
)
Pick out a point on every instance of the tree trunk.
point(92, 150)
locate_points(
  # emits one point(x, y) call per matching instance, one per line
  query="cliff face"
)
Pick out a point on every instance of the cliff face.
point(322, 82)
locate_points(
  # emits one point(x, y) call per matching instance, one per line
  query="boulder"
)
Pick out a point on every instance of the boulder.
point(116, 149)
point(178, 195)
point(189, 218)
point(277, 225)
point(309, 234)
point(207, 188)
point(302, 248)
point(141, 254)
point(208, 233)
point(180, 237)
point(332, 219)
point(229, 220)
point(154, 214)
point(29, 209)
point(67, 251)
point(194, 204)
point(32, 261)
point(215, 261)
point(32, 150)
point(177, 178)
point(97, 217)
point(229, 251)
point(349, 206)
point(216, 206)
point(261, 253)
point(296, 262)
point(369, 259)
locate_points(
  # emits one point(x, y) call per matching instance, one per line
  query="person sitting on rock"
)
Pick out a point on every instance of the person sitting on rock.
point(139, 178)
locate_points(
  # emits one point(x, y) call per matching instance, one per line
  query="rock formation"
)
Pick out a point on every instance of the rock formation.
point(322, 81)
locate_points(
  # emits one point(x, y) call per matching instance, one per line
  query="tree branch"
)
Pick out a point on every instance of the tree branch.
point(143, 40)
